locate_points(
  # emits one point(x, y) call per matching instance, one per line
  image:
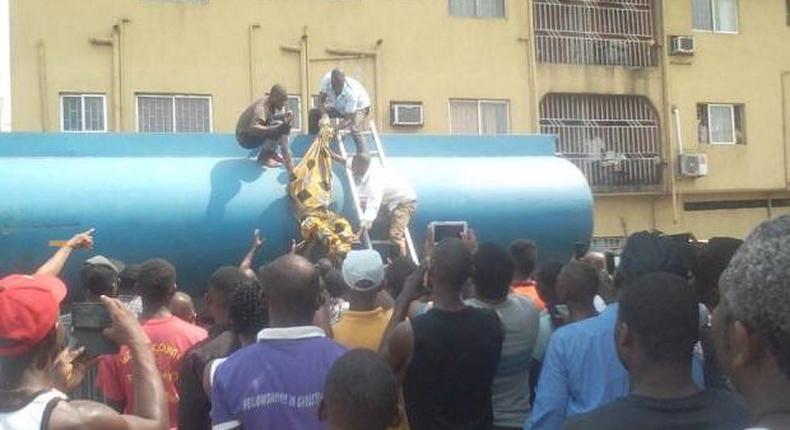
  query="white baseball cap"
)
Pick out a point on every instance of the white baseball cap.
point(363, 265)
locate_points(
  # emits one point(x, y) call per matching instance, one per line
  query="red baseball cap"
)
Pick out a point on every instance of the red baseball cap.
point(29, 308)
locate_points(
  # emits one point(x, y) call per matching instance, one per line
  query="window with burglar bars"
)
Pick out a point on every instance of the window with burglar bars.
point(173, 113)
point(613, 139)
point(607, 32)
point(478, 8)
point(83, 113)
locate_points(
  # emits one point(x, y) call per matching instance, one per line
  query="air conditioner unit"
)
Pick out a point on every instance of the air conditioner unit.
point(693, 165)
point(406, 113)
point(681, 45)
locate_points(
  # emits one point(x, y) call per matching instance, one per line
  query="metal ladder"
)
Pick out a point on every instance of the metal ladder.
point(378, 154)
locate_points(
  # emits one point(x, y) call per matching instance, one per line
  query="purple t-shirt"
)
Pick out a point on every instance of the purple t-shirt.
point(275, 383)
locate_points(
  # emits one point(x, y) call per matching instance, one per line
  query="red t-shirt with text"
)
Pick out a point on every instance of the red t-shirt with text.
point(170, 338)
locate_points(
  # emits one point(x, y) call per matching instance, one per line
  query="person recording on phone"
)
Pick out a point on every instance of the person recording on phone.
point(36, 368)
point(448, 347)
point(382, 187)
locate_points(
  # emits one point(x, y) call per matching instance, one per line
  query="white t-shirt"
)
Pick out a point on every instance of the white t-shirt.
point(382, 185)
point(354, 97)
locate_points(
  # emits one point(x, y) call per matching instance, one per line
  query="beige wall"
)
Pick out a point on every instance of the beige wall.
point(735, 68)
point(423, 55)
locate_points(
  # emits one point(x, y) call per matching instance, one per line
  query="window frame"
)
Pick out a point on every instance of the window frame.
point(734, 107)
point(297, 113)
point(504, 16)
point(714, 19)
point(479, 102)
point(82, 111)
point(175, 121)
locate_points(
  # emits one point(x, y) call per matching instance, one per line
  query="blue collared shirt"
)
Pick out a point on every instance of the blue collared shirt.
point(581, 372)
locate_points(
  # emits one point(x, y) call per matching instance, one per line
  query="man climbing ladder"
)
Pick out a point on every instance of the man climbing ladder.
point(379, 187)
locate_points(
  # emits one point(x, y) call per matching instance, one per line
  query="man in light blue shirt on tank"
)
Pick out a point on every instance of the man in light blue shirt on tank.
point(345, 98)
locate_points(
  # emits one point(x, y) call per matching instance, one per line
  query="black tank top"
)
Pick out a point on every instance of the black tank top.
point(448, 382)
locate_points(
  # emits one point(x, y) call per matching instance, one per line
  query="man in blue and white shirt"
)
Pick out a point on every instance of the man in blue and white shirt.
point(347, 99)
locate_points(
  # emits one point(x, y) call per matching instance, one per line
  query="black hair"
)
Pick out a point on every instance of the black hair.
point(246, 313)
point(361, 392)
point(225, 280)
point(493, 271)
point(157, 281)
point(582, 281)
point(127, 280)
point(650, 252)
point(662, 310)
point(99, 279)
point(547, 281)
point(547, 290)
point(278, 90)
point(291, 282)
point(755, 288)
point(712, 258)
point(334, 284)
point(451, 262)
point(396, 273)
point(525, 255)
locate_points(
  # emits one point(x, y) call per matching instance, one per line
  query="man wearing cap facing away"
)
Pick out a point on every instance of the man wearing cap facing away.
point(363, 324)
point(33, 368)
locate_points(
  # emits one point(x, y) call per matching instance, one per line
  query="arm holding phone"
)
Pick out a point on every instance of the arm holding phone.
point(150, 409)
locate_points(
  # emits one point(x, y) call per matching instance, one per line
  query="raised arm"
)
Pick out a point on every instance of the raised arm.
point(397, 342)
point(55, 264)
point(150, 409)
point(246, 263)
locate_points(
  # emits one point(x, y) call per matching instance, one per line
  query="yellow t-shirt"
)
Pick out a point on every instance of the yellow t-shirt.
point(362, 329)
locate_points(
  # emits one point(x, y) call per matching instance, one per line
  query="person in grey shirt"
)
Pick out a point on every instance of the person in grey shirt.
point(492, 275)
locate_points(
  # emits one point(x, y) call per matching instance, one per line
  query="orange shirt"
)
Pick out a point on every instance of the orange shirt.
point(529, 289)
point(170, 338)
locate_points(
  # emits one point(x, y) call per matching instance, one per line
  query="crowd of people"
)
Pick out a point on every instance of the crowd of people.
point(681, 336)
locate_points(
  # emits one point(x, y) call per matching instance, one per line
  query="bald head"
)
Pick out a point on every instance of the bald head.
point(338, 80)
point(181, 305)
point(596, 259)
point(278, 96)
point(291, 285)
point(451, 264)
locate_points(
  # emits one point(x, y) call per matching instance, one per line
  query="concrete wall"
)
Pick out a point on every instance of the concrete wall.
point(422, 54)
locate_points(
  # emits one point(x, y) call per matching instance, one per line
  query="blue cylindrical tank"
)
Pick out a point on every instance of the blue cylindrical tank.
point(195, 199)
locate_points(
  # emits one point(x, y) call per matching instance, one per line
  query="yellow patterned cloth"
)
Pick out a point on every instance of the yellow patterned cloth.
point(311, 192)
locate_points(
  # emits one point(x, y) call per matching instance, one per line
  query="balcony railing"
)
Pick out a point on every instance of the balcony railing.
point(614, 140)
point(608, 33)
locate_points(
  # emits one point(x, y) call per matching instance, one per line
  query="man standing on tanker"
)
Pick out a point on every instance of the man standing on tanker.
point(266, 124)
point(345, 98)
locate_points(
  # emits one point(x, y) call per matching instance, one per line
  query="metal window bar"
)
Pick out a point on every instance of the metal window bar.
point(609, 33)
point(614, 140)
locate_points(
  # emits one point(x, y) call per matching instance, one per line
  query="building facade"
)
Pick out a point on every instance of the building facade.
point(635, 90)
